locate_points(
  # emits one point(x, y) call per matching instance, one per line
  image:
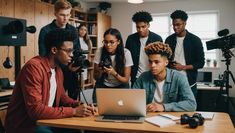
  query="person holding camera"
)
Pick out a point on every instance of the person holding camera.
point(112, 63)
point(187, 49)
point(85, 44)
point(166, 89)
point(39, 92)
point(62, 10)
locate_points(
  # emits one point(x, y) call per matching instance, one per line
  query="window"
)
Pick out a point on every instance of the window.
point(202, 24)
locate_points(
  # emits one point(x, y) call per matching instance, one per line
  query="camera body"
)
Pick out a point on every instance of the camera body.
point(171, 63)
point(194, 121)
point(79, 59)
point(106, 62)
point(224, 42)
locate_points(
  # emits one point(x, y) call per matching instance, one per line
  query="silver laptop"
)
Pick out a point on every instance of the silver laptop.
point(121, 105)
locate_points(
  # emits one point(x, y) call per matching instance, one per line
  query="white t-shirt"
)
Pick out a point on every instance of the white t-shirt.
point(179, 53)
point(158, 94)
point(84, 46)
point(111, 81)
point(53, 87)
point(143, 61)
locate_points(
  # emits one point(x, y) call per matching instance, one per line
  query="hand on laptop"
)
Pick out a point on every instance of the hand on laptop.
point(94, 109)
point(84, 110)
point(153, 107)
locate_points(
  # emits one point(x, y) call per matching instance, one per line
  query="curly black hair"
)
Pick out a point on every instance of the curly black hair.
point(179, 14)
point(142, 16)
point(56, 37)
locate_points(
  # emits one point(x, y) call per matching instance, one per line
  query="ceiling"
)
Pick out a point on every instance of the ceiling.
point(121, 1)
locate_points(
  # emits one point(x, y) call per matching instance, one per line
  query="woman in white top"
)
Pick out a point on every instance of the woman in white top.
point(112, 63)
point(85, 44)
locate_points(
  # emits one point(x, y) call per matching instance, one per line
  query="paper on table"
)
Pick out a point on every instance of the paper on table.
point(207, 115)
point(160, 121)
point(172, 117)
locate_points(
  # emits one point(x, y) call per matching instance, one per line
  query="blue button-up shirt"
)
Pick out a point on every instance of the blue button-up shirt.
point(177, 94)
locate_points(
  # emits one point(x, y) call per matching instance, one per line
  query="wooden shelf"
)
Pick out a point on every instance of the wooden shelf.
point(88, 85)
point(92, 55)
point(6, 93)
point(92, 35)
point(90, 68)
point(97, 24)
point(92, 22)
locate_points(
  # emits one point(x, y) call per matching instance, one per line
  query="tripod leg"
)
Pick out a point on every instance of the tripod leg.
point(231, 74)
point(230, 100)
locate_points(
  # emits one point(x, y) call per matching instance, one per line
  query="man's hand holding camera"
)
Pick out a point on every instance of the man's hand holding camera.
point(73, 68)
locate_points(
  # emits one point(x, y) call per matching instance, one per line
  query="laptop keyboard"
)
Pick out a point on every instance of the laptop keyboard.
point(119, 117)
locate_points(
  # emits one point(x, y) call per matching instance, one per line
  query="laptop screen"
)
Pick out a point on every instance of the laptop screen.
point(204, 77)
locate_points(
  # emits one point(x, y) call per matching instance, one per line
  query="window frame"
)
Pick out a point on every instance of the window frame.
point(170, 31)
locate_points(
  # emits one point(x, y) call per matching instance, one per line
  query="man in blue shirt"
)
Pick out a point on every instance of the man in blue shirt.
point(166, 89)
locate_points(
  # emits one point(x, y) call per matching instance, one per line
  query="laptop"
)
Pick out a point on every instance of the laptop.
point(204, 78)
point(121, 105)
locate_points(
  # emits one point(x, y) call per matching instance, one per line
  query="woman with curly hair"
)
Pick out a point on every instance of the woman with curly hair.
point(112, 63)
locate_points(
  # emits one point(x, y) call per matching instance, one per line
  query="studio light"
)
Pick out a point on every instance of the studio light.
point(135, 1)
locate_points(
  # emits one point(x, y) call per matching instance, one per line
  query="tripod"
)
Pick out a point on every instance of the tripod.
point(79, 86)
point(225, 79)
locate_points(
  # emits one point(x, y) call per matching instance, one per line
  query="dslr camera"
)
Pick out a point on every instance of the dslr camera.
point(106, 62)
point(194, 121)
point(171, 63)
point(79, 59)
point(224, 42)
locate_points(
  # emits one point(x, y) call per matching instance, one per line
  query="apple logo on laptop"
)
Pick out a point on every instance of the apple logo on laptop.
point(120, 103)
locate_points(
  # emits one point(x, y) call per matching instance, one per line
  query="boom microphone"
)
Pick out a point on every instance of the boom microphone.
point(223, 32)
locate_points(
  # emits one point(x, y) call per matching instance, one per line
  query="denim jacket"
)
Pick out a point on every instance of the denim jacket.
point(177, 94)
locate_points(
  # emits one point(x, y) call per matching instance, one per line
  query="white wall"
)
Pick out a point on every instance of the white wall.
point(121, 14)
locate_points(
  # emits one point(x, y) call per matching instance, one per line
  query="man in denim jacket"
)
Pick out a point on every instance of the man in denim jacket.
point(166, 89)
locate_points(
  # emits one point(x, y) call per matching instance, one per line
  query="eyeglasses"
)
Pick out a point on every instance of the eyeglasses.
point(68, 51)
point(108, 42)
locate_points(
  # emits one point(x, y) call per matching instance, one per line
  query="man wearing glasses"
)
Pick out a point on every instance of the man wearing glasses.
point(62, 9)
point(39, 92)
point(188, 55)
point(136, 42)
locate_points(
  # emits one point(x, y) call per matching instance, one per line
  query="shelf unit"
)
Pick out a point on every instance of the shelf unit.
point(97, 24)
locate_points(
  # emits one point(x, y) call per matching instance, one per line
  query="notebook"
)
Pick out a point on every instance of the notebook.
point(121, 105)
